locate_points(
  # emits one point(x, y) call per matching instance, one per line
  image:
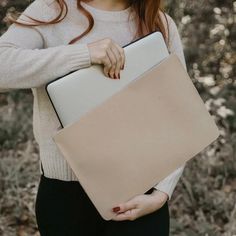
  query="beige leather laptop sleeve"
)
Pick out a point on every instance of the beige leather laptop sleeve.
point(138, 136)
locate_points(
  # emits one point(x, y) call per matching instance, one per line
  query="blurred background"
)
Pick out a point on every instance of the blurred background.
point(204, 201)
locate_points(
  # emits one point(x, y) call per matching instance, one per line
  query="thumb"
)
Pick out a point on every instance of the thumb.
point(131, 204)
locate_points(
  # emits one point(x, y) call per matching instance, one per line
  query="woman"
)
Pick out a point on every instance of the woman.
point(50, 39)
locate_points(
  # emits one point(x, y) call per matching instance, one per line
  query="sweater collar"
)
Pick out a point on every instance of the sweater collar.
point(105, 15)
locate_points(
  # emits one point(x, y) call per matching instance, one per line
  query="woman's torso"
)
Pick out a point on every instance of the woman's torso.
point(114, 25)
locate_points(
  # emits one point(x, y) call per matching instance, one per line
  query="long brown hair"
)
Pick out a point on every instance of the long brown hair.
point(148, 18)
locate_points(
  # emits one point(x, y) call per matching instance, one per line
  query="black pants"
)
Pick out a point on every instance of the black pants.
point(63, 209)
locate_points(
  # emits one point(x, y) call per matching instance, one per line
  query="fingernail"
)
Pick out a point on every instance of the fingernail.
point(122, 68)
point(116, 209)
point(112, 77)
point(119, 75)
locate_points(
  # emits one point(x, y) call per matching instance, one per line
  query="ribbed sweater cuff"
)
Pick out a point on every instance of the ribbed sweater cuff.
point(168, 184)
point(78, 56)
point(166, 188)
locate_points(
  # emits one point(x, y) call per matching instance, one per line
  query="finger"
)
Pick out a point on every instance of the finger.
point(113, 60)
point(118, 61)
point(128, 215)
point(129, 205)
point(122, 54)
point(107, 66)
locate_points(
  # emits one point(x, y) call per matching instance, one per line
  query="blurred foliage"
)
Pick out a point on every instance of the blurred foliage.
point(204, 202)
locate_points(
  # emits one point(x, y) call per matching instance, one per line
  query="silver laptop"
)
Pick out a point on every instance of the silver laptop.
point(80, 91)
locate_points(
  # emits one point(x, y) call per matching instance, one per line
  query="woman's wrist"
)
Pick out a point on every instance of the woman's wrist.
point(159, 196)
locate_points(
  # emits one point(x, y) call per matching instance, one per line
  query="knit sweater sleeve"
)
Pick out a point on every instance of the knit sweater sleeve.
point(25, 63)
point(168, 184)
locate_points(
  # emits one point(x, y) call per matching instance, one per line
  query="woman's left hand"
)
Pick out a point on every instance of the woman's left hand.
point(140, 205)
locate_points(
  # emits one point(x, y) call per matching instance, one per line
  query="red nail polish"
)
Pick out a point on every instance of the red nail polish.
point(116, 209)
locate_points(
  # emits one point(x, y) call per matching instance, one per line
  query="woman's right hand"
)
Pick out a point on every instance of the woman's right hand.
point(108, 53)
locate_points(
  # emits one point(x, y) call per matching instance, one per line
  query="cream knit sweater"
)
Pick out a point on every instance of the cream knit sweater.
point(32, 56)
